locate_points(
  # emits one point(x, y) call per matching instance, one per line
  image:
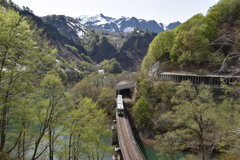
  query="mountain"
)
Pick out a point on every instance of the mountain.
point(124, 24)
point(103, 50)
point(134, 49)
point(172, 25)
point(128, 48)
point(67, 26)
point(129, 55)
point(56, 38)
point(204, 44)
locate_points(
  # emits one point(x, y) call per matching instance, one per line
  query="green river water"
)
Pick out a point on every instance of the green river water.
point(151, 154)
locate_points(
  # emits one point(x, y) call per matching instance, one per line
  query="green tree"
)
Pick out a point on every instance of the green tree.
point(141, 113)
point(230, 123)
point(159, 49)
point(194, 119)
point(111, 66)
point(189, 44)
point(190, 157)
point(87, 133)
point(90, 87)
point(144, 88)
point(191, 41)
point(106, 100)
point(50, 110)
point(72, 49)
point(160, 99)
point(86, 58)
point(24, 55)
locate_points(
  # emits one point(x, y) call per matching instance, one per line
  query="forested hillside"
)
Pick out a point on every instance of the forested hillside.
point(55, 105)
point(42, 115)
point(182, 117)
point(202, 44)
point(127, 48)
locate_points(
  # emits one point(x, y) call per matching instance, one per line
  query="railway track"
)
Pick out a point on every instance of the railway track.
point(126, 141)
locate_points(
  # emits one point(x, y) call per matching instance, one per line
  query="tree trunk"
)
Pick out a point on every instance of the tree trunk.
point(3, 127)
point(70, 147)
point(51, 147)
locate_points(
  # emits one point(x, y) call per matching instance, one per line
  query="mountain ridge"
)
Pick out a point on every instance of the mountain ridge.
point(123, 24)
point(128, 48)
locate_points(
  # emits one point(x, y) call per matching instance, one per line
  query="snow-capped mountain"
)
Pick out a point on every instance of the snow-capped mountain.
point(128, 48)
point(67, 26)
point(124, 24)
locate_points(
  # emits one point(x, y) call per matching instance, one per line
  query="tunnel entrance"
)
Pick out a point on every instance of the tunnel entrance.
point(125, 88)
point(126, 93)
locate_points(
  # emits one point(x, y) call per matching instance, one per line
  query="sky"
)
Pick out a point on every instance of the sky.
point(162, 11)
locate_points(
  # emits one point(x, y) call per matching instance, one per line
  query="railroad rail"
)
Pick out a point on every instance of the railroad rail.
point(127, 143)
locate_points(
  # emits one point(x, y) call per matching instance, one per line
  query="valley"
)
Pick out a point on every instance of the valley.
point(58, 77)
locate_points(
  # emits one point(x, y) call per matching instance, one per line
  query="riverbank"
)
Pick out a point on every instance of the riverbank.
point(147, 147)
point(150, 142)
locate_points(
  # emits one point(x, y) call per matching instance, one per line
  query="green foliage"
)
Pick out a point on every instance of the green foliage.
point(192, 41)
point(162, 94)
point(190, 157)
point(159, 48)
point(86, 58)
point(198, 42)
point(63, 75)
point(85, 66)
point(25, 57)
point(144, 87)
point(86, 130)
point(90, 87)
point(194, 119)
point(106, 100)
point(171, 144)
point(86, 89)
point(224, 10)
point(94, 37)
point(160, 98)
point(72, 49)
point(141, 113)
point(51, 81)
point(51, 102)
point(111, 66)
point(230, 122)
point(189, 118)
point(35, 108)
point(158, 95)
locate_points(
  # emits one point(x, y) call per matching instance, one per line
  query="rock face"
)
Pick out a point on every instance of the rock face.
point(134, 49)
point(57, 38)
point(123, 24)
point(82, 30)
point(173, 25)
point(67, 26)
point(102, 51)
point(129, 55)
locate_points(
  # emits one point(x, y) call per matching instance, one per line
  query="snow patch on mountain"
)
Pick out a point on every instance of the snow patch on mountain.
point(125, 24)
point(76, 26)
point(98, 19)
point(128, 29)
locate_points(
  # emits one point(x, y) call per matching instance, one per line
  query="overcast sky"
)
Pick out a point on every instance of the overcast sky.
point(164, 11)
